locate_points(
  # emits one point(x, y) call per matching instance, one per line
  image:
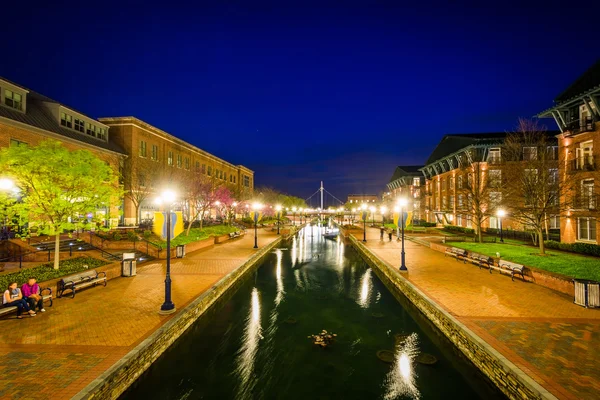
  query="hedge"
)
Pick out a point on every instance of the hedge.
point(454, 228)
point(580, 248)
point(46, 272)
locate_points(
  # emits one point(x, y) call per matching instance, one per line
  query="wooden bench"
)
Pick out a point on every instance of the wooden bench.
point(456, 252)
point(46, 297)
point(481, 260)
point(80, 281)
point(507, 266)
point(236, 234)
point(419, 229)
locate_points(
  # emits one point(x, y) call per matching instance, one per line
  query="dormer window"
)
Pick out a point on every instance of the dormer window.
point(79, 125)
point(13, 100)
point(66, 120)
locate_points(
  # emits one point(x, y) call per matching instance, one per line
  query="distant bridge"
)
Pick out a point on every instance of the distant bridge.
point(335, 201)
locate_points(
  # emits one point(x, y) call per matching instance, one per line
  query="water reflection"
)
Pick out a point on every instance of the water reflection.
point(247, 354)
point(365, 289)
point(280, 291)
point(401, 379)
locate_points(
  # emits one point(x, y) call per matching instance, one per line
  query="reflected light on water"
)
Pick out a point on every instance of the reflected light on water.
point(280, 291)
point(294, 251)
point(401, 379)
point(365, 289)
point(247, 354)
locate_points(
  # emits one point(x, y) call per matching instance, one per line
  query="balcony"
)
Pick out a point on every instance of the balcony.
point(585, 163)
point(589, 202)
point(581, 125)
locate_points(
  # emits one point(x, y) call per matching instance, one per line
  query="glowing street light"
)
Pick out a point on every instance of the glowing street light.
point(501, 213)
point(167, 197)
point(364, 218)
point(402, 206)
point(372, 209)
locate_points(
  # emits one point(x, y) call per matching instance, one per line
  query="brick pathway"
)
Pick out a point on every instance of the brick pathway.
point(56, 354)
point(541, 331)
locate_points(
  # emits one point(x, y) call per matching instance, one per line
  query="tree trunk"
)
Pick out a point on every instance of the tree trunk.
point(57, 249)
point(479, 238)
point(137, 214)
point(541, 242)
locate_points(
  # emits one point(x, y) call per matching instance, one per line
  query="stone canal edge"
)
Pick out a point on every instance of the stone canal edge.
point(115, 380)
point(511, 380)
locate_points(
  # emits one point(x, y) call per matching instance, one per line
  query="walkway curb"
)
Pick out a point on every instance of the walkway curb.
point(114, 381)
point(511, 380)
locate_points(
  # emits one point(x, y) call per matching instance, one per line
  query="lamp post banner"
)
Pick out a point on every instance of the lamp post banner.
point(364, 216)
point(407, 218)
point(256, 216)
point(160, 227)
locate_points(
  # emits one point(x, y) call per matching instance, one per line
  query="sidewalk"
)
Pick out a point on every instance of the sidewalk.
point(57, 353)
point(541, 331)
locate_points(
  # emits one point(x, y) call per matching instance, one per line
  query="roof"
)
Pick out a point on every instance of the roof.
point(407, 170)
point(590, 80)
point(38, 116)
point(454, 142)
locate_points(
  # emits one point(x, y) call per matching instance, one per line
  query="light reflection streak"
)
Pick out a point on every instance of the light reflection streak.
point(247, 354)
point(365, 289)
point(280, 290)
point(401, 379)
point(294, 251)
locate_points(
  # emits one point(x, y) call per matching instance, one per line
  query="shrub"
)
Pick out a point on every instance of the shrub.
point(454, 228)
point(147, 234)
point(116, 236)
point(581, 248)
point(132, 236)
point(46, 272)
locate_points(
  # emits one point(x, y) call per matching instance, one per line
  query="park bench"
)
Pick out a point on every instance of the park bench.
point(456, 252)
point(419, 229)
point(46, 297)
point(447, 239)
point(236, 234)
point(481, 260)
point(79, 281)
point(507, 266)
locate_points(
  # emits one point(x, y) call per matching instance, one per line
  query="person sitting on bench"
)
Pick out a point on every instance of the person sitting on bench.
point(31, 293)
point(13, 298)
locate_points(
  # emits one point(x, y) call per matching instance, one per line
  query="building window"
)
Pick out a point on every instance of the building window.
point(554, 222)
point(13, 100)
point(90, 129)
point(179, 160)
point(451, 201)
point(209, 171)
point(459, 182)
point(203, 168)
point(553, 152)
point(529, 153)
point(459, 220)
point(495, 198)
point(416, 181)
point(494, 156)
point(187, 163)
point(495, 178)
point(197, 166)
point(66, 120)
point(79, 125)
point(154, 152)
point(444, 184)
point(224, 176)
point(142, 148)
point(142, 180)
point(494, 223)
point(586, 229)
point(15, 142)
point(460, 200)
point(101, 133)
point(170, 159)
point(246, 181)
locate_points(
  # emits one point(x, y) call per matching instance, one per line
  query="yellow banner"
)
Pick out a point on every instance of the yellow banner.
point(407, 218)
point(256, 217)
point(159, 226)
point(396, 218)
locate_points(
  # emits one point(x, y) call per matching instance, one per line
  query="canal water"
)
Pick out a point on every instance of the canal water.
point(255, 344)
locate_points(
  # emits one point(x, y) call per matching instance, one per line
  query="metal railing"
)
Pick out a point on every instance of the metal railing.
point(583, 163)
point(581, 125)
point(588, 202)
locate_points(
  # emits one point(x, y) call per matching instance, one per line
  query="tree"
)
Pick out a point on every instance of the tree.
point(140, 177)
point(530, 176)
point(201, 193)
point(59, 186)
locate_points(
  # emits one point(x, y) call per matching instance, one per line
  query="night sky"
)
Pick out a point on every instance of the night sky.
point(299, 94)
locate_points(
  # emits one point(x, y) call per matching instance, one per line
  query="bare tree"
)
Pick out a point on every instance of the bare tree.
point(202, 192)
point(140, 177)
point(530, 175)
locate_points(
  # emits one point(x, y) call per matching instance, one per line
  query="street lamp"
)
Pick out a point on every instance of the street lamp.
point(294, 215)
point(372, 208)
point(167, 197)
point(383, 211)
point(278, 209)
point(402, 205)
point(364, 218)
point(256, 207)
point(501, 213)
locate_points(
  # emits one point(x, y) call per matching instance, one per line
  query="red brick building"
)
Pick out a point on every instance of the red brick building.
point(409, 182)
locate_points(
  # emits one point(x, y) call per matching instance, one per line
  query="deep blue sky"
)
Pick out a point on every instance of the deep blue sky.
point(301, 93)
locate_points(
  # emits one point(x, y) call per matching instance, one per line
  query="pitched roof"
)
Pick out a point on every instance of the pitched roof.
point(590, 80)
point(452, 143)
point(408, 170)
point(37, 115)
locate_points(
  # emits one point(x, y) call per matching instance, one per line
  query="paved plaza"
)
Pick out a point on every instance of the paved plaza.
point(541, 331)
point(57, 353)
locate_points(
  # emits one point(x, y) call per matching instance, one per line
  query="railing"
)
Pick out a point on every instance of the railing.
point(584, 163)
point(589, 202)
point(581, 125)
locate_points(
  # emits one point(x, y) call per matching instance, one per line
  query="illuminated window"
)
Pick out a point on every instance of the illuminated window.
point(13, 100)
point(170, 159)
point(79, 125)
point(66, 120)
point(142, 148)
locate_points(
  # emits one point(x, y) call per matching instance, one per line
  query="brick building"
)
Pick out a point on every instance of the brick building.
point(577, 114)
point(362, 198)
point(409, 182)
point(168, 158)
point(30, 118)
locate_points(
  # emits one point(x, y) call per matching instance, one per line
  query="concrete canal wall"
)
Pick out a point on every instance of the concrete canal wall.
point(512, 381)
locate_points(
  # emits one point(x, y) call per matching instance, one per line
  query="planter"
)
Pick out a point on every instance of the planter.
point(221, 239)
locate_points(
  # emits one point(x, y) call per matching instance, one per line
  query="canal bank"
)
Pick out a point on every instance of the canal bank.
point(114, 381)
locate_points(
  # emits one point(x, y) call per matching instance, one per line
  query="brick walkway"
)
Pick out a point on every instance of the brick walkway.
point(56, 354)
point(541, 331)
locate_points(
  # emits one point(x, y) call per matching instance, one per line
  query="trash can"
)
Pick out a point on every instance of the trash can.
point(587, 293)
point(180, 251)
point(128, 265)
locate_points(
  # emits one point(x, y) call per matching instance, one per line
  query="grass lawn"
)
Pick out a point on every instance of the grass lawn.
point(197, 234)
point(569, 264)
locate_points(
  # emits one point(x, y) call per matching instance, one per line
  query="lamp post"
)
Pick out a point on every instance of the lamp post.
point(294, 215)
point(353, 212)
point(402, 204)
point(167, 197)
point(256, 207)
point(383, 211)
point(372, 209)
point(364, 218)
point(278, 209)
point(501, 213)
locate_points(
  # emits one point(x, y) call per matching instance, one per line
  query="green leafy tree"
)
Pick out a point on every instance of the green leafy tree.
point(58, 185)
